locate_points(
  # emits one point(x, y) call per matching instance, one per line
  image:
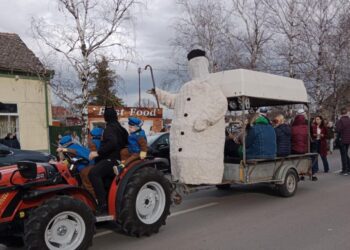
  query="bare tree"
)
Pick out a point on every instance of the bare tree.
point(201, 25)
point(89, 28)
point(285, 22)
point(254, 36)
point(318, 23)
point(146, 103)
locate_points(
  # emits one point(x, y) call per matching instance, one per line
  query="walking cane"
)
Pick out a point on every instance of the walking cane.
point(154, 84)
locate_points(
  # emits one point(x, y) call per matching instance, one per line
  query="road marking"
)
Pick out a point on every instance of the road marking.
point(193, 209)
point(103, 233)
point(337, 172)
point(171, 215)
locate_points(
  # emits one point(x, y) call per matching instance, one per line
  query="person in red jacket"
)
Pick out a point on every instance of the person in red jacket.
point(343, 131)
point(319, 142)
point(300, 138)
point(299, 135)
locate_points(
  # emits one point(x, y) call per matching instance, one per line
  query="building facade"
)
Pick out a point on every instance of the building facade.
point(24, 99)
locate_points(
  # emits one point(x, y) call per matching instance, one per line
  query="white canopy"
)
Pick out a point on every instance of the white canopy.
point(259, 85)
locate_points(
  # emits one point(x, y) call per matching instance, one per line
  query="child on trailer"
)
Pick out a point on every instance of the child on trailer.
point(137, 145)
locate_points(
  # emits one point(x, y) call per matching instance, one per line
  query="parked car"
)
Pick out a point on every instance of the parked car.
point(9, 156)
point(158, 146)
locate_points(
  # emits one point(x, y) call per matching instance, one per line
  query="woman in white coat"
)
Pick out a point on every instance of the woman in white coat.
point(197, 134)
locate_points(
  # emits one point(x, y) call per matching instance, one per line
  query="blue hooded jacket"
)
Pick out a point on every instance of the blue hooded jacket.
point(81, 152)
point(96, 134)
point(261, 140)
point(133, 144)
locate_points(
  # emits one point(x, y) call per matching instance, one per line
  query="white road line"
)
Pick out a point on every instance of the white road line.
point(337, 172)
point(193, 209)
point(171, 215)
point(103, 233)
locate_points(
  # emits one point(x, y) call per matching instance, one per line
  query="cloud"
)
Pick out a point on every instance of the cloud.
point(152, 35)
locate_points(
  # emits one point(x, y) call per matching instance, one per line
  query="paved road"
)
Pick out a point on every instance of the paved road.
point(252, 217)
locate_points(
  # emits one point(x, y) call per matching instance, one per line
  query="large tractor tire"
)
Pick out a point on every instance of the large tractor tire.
point(290, 185)
point(146, 203)
point(60, 223)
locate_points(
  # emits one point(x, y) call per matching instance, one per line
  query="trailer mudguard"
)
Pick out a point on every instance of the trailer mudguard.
point(280, 174)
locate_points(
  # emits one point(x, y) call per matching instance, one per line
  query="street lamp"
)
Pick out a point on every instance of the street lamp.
point(154, 84)
point(139, 71)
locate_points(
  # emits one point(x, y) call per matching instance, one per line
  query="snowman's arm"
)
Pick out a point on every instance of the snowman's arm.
point(215, 109)
point(166, 98)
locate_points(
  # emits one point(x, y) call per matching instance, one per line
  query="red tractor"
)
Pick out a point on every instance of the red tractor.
point(46, 206)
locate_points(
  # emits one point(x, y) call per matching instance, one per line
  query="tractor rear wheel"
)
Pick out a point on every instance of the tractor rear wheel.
point(146, 203)
point(61, 222)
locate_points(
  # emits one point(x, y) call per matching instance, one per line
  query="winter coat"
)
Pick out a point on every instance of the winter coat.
point(343, 129)
point(114, 138)
point(137, 142)
point(261, 140)
point(12, 143)
point(80, 151)
point(283, 139)
point(299, 135)
point(197, 133)
point(323, 139)
point(330, 133)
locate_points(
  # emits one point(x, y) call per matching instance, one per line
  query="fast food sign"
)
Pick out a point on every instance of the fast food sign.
point(97, 111)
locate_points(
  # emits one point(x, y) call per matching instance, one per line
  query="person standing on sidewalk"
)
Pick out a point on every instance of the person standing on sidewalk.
point(319, 142)
point(330, 136)
point(343, 131)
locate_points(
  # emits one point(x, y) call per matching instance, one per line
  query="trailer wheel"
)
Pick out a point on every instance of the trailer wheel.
point(146, 203)
point(290, 185)
point(60, 223)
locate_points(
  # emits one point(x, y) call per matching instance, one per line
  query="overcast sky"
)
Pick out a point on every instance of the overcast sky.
point(152, 32)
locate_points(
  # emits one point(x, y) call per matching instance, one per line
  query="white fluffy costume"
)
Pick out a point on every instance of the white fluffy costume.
point(197, 134)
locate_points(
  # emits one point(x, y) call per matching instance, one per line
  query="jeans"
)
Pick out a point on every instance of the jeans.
point(102, 169)
point(345, 161)
point(316, 149)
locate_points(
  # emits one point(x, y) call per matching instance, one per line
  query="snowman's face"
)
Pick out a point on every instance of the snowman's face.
point(198, 67)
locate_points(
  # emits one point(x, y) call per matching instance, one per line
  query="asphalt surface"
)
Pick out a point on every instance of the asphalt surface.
point(251, 217)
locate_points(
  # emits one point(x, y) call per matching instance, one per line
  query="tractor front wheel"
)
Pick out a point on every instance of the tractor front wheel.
point(61, 222)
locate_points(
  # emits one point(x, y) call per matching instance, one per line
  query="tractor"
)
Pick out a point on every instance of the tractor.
point(45, 206)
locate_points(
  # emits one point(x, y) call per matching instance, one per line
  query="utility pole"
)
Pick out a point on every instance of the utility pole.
point(139, 71)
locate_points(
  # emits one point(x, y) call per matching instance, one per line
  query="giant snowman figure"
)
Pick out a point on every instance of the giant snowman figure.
point(197, 134)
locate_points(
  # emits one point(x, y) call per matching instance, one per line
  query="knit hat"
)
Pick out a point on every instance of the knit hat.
point(263, 110)
point(195, 53)
point(66, 140)
point(110, 115)
point(134, 121)
point(300, 112)
point(96, 132)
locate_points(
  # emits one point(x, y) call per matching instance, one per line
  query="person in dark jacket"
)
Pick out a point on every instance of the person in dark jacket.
point(261, 139)
point(114, 138)
point(283, 136)
point(11, 141)
point(343, 131)
point(319, 142)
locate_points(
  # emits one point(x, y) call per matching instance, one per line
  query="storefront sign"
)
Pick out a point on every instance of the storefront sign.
point(97, 111)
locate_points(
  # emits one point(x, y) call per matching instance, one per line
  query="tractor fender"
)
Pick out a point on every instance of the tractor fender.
point(123, 181)
point(76, 192)
point(24, 200)
point(282, 172)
